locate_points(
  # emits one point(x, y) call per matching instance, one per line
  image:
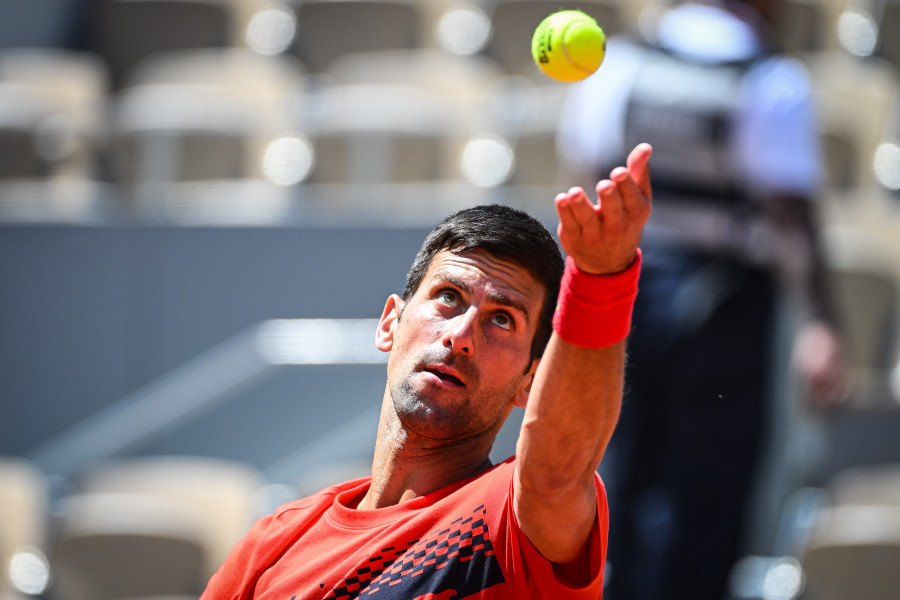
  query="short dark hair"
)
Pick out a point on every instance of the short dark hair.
point(505, 233)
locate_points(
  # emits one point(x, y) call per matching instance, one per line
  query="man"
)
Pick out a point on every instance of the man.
point(467, 345)
point(736, 170)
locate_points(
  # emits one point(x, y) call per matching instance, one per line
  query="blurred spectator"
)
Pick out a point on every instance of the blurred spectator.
point(736, 167)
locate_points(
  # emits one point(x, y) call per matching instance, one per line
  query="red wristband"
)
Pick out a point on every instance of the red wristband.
point(594, 311)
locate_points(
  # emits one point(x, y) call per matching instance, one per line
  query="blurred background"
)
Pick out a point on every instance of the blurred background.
point(205, 203)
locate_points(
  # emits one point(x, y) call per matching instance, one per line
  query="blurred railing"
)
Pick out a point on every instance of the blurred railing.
point(205, 382)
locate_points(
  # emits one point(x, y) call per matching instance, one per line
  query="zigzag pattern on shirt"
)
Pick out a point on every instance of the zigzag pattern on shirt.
point(455, 562)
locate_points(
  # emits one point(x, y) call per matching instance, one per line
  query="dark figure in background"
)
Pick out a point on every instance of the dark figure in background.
point(736, 166)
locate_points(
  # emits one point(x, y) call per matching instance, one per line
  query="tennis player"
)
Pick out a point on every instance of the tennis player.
point(492, 318)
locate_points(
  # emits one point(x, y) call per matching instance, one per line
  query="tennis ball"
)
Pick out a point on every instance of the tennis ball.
point(568, 45)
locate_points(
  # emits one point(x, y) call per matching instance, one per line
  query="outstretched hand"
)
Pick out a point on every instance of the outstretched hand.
point(819, 357)
point(603, 238)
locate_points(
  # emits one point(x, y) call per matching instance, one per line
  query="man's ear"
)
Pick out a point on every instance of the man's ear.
point(521, 397)
point(384, 335)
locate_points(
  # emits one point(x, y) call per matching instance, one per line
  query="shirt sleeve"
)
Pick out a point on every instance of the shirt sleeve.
point(258, 550)
point(532, 575)
point(251, 556)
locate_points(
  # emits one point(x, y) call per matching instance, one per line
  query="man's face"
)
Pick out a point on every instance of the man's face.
point(462, 345)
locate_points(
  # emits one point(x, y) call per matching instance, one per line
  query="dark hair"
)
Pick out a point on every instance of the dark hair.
point(507, 234)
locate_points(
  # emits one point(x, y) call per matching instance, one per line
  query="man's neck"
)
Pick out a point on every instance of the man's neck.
point(404, 468)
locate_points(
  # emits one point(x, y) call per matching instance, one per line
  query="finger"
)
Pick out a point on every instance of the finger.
point(638, 166)
point(581, 206)
point(567, 219)
point(611, 204)
point(634, 202)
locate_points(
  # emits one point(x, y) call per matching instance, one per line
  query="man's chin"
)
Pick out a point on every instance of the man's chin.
point(433, 417)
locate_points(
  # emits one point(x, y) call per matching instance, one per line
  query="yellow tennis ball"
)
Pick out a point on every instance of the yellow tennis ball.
point(568, 45)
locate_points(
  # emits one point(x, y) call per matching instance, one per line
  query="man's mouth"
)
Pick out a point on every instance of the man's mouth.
point(443, 375)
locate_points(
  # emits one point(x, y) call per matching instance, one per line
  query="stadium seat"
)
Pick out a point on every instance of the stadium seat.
point(853, 97)
point(853, 552)
point(465, 78)
point(870, 306)
point(854, 545)
point(391, 125)
point(866, 288)
point(217, 497)
point(830, 12)
point(52, 105)
point(24, 515)
point(803, 25)
point(327, 29)
point(866, 484)
point(527, 115)
point(371, 133)
point(204, 115)
point(395, 116)
point(847, 534)
point(440, 25)
point(396, 146)
point(125, 31)
point(514, 21)
point(121, 545)
point(888, 26)
point(52, 108)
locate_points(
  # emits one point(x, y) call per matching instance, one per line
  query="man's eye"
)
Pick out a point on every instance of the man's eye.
point(448, 297)
point(502, 320)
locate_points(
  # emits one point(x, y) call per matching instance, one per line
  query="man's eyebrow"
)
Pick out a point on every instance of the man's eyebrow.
point(455, 281)
point(494, 296)
point(514, 303)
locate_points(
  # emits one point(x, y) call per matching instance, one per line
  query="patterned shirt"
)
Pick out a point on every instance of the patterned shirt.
point(462, 541)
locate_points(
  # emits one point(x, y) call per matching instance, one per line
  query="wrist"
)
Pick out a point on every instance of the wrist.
point(594, 311)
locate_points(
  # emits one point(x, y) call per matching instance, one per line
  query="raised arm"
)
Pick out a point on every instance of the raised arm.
point(577, 392)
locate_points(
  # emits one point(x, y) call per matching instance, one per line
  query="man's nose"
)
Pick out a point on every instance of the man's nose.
point(460, 333)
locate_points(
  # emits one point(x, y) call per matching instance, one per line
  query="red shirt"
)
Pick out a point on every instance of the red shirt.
point(458, 542)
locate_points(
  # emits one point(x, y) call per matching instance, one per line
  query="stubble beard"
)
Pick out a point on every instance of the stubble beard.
point(435, 416)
